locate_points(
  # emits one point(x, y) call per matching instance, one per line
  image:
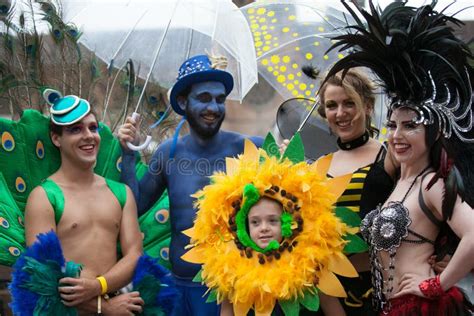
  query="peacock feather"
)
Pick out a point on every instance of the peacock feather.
point(155, 285)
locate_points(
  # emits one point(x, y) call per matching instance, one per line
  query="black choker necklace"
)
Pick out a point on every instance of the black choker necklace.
point(355, 143)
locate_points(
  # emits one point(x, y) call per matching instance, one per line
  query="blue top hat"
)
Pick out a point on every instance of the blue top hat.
point(66, 110)
point(195, 70)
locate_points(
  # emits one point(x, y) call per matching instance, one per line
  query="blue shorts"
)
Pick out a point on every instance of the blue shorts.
point(192, 301)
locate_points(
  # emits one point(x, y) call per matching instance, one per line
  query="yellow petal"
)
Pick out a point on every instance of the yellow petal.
point(264, 307)
point(231, 166)
point(321, 166)
point(339, 184)
point(193, 256)
point(241, 309)
point(330, 285)
point(305, 187)
point(250, 151)
point(342, 266)
point(353, 230)
point(189, 232)
point(266, 288)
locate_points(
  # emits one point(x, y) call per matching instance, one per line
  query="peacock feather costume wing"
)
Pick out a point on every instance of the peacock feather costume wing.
point(156, 230)
point(27, 157)
point(315, 238)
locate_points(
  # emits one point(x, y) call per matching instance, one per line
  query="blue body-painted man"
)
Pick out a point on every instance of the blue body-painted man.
point(185, 167)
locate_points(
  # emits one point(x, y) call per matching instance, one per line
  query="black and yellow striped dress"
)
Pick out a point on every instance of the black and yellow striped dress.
point(351, 197)
point(369, 186)
point(359, 290)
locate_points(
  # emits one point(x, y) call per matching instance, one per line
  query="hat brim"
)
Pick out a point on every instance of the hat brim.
point(198, 77)
point(77, 114)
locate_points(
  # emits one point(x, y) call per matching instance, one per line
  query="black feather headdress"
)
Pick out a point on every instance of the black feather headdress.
point(419, 60)
point(421, 65)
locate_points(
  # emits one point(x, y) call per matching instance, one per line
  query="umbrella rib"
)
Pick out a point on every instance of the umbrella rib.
point(155, 58)
point(109, 94)
point(315, 104)
point(215, 19)
point(126, 38)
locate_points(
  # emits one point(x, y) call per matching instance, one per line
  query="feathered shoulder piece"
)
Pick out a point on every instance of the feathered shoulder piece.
point(290, 270)
point(419, 60)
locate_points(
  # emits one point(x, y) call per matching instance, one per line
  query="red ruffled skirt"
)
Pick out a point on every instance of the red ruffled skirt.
point(453, 303)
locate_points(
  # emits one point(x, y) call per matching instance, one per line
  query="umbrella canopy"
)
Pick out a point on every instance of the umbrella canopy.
point(159, 35)
point(290, 34)
point(315, 133)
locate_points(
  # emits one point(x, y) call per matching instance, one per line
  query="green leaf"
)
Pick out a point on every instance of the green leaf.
point(355, 245)
point(198, 277)
point(212, 297)
point(348, 216)
point(310, 300)
point(295, 150)
point(271, 147)
point(290, 308)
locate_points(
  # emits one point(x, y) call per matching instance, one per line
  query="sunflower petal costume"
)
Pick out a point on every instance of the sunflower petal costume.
point(315, 236)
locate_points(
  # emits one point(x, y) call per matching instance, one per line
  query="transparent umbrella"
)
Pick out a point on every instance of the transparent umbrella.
point(296, 115)
point(290, 34)
point(287, 36)
point(159, 35)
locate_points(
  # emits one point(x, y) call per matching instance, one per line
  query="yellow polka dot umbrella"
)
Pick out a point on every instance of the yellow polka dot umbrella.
point(290, 34)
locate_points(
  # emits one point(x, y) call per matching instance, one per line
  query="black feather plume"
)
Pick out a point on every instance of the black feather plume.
point(311, 71)
point(401, 45)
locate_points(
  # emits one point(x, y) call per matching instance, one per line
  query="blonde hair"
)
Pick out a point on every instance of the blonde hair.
point(359, 88)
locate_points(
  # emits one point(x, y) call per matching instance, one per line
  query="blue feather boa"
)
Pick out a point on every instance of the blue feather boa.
point(35, 279)
point(155, 285)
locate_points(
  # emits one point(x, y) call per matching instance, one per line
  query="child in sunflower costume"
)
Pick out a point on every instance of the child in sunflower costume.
point(289, 263)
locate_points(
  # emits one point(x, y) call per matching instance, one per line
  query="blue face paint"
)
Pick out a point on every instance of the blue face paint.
point(205, 108)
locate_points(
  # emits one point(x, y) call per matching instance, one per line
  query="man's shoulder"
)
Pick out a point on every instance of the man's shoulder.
point(238, 139)
point(38, 191)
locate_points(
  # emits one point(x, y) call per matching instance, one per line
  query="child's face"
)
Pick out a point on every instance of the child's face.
point(264, 222)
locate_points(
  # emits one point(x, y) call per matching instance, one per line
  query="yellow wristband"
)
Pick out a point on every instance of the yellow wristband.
point(103, 284)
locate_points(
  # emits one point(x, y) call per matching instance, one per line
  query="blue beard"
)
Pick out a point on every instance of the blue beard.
point(201, 128)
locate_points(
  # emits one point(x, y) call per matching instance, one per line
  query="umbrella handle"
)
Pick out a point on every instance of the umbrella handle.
point(142, 146)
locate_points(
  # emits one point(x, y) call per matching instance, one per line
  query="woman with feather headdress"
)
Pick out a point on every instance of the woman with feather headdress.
point(424, 69)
